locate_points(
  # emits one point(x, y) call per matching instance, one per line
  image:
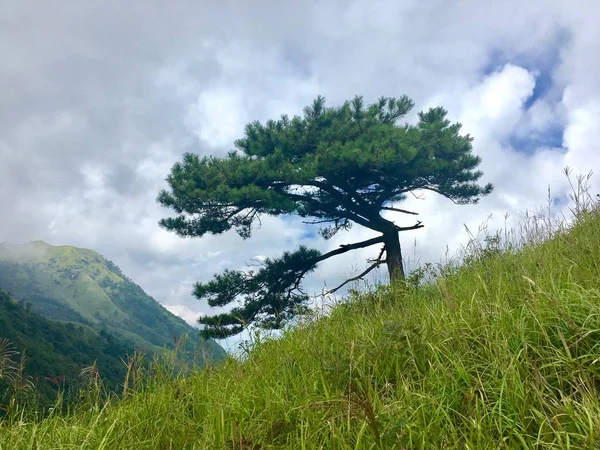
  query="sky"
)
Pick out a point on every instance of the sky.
point(99, 99)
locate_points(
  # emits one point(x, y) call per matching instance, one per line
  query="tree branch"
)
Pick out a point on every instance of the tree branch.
point(367, 221)
point(377, 263)
point(380, 255)
point(314, 222)
point(347, 247)
point(358, 277)
point(414, 227)
point(338, 251)
point(437, 191)
point(389, 208)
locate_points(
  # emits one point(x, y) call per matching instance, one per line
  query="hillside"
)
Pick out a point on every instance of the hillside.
point(500, 352)
point(56, 352)
point(77, 285)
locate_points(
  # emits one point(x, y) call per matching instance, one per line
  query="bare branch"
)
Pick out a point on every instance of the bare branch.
point(418, 197)
point(389, 208)
point(375, 264)
point(347, 247)
point(314, 222)
point(379, 257)
point(359, 217)
point(338, 251)
point(437, 191)
point(233, 213)
point(349, 213)
point(357, 277)
point(414, 227)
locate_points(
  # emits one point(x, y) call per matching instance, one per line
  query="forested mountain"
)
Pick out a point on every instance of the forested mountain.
point(69, 284)
point(56, 352)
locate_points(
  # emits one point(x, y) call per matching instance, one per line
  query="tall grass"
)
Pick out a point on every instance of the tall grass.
point(498, 349)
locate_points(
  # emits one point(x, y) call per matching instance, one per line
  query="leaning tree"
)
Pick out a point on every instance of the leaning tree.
point(335, 167)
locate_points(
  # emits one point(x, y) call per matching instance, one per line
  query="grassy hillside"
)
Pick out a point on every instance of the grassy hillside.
point(501, 352)
point(78, 285)
point(56, 352)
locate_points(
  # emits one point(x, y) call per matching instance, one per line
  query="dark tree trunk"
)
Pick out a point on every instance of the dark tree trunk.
point(394, 256)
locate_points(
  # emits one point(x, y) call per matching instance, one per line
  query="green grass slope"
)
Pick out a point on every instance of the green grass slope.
point(56, 352)
point(78, 285)
point(502, 352)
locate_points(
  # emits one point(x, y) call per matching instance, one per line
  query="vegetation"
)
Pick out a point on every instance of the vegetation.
point(499, 351)
point(76, 285)
point(52, 355)
point(334, 166)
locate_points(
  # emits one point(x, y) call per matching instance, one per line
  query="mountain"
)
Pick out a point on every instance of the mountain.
point(76, 285)
point(56, 352)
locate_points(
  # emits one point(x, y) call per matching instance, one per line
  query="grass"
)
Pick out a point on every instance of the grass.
point(499, 351)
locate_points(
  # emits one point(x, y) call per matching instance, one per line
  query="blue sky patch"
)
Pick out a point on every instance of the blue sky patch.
point(543, 65)
point(527, 144)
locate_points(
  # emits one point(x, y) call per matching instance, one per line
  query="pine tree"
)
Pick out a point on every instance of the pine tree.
point(333, 166)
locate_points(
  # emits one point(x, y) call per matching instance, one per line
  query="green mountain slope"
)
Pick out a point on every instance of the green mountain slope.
point(78, 285)
point(56, 352)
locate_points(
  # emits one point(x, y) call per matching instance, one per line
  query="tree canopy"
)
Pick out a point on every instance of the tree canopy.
point(334, 166)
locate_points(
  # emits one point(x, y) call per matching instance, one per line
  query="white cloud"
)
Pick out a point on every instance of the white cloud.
point(187, 314)
point(218, 116)
point(493, 108)
point(98, 103)
point(582, 134)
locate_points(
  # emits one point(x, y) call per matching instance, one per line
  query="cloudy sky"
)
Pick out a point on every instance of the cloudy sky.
point(99, 99)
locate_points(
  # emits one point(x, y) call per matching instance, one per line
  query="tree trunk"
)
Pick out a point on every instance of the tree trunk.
point(394, 256)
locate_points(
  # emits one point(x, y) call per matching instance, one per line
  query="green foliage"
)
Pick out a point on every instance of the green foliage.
point(80, 286)
point(499, 353)
point(56, 352)
point(269, 298)
point(337, 166)
point(350, 154)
